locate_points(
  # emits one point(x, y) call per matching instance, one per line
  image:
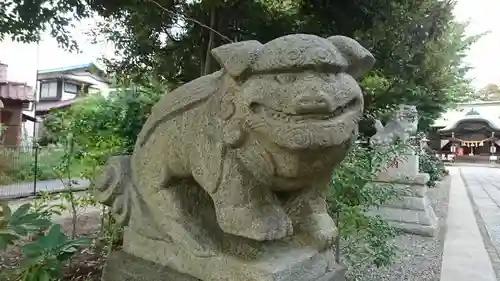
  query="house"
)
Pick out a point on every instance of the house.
point(62, 87)
point(15, 97)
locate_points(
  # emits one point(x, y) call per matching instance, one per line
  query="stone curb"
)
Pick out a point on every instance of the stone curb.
point(26, 195)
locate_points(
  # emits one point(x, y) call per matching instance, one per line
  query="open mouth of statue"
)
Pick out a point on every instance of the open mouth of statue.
point(268, 112)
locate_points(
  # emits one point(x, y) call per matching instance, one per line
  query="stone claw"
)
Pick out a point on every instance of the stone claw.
point(322, 229)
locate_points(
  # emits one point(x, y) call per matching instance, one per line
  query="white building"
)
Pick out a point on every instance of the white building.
point(62, 87)
point(471, 131)
point(486, 109)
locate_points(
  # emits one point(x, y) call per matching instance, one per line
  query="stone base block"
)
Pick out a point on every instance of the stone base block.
point(418, 229)
point(411, 214)
point(419, 179)
point(122, 266)
point(406, 164)
point(272, 261)
point(420, 222)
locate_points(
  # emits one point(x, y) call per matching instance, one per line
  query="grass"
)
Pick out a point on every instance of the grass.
point(17, 165)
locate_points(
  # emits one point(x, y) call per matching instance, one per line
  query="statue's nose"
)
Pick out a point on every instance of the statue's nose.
point(311, 104)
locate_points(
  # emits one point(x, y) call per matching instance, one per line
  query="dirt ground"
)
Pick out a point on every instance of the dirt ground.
point(85, 266)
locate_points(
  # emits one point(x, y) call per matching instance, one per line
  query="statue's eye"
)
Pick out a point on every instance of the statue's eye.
point(285, 78)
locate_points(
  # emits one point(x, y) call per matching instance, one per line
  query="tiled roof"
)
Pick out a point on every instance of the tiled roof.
point(67, 68)
point(494, 123)
point(46, 106)
point(16, 91)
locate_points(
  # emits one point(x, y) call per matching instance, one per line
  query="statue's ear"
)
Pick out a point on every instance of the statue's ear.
point(235, 58)
point(360, 59)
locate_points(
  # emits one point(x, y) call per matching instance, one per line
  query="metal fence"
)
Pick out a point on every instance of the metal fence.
point(27, 170)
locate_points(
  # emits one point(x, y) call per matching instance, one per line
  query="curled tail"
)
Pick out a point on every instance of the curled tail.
point(114, 188)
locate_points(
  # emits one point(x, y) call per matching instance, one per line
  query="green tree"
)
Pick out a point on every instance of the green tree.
point(24, 21)
point(490, 92)
point(100, 127)
point(418, 46)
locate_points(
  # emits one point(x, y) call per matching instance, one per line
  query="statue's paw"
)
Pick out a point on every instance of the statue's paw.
point(193, 239)
point(322, 229)
point(325, 238)
point(201, 248)
point(204, 251)
point(257, 223)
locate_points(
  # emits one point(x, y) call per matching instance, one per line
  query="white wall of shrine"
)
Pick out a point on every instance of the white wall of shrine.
point(489, 110)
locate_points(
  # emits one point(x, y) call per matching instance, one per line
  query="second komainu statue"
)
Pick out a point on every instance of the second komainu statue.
point(229, 176)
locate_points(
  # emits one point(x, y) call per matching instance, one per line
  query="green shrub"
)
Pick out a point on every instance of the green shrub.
point(20, 166)
point(14, 164)
point(433, 166)
point(363, 239)
point(42, 258)
point(101, 127)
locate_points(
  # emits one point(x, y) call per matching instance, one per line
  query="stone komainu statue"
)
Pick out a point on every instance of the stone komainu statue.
point(400, 128)
point(245, 153)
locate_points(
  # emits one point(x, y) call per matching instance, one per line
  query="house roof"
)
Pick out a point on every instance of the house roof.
point(16, 91)
point(68, 68)
point(46, 106)
point(72, 72)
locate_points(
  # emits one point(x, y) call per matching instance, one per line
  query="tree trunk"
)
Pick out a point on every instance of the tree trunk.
point(208, 56)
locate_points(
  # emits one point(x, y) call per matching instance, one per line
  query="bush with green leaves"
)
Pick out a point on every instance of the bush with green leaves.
point(17, 225)
point(44, 257)
point(17, 165)
point(432, 165)
point(363, 239)
point(100, 127)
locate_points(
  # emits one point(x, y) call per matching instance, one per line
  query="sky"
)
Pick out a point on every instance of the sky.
point(25, 59)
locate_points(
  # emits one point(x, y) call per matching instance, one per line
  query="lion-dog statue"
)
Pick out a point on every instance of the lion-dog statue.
point(259, 138)
point(403, 125)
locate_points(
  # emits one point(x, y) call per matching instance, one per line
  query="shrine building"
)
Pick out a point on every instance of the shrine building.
point(470, 132)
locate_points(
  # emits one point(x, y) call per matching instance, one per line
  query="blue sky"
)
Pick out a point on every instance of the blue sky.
point(484, 57)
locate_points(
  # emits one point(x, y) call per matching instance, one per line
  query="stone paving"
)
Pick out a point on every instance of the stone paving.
point(465, 256)
point(483, 185)
point(20, 190)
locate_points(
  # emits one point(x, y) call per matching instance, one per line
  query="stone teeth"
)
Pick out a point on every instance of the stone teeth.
point(299, 118)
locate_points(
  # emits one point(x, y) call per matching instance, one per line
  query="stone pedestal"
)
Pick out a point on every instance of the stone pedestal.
point(300, 265)
point(145, 257)
point(275, 261)
point(122, 266)
point(412, 212)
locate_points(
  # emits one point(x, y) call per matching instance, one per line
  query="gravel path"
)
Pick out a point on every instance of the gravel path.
point(419, 258)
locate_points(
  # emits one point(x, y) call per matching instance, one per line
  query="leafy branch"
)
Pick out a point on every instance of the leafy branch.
point(186, 18)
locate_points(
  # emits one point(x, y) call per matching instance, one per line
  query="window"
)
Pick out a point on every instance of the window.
point(70, 88)
point(48, 90)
